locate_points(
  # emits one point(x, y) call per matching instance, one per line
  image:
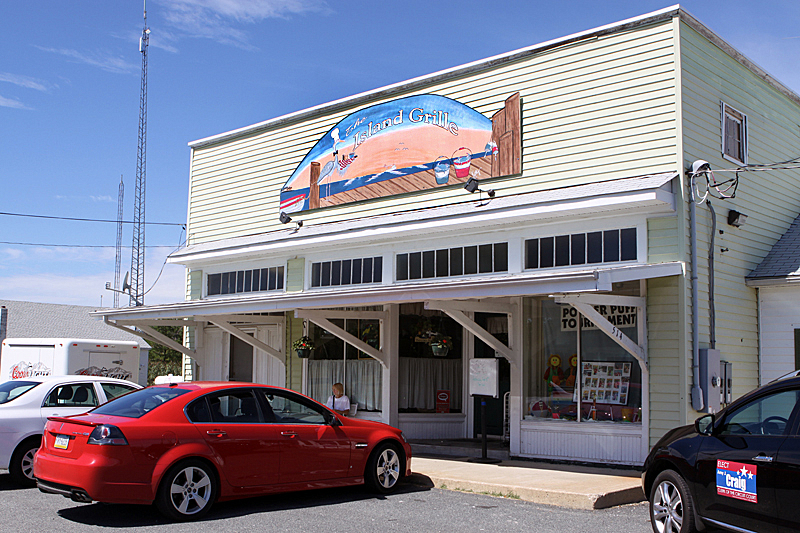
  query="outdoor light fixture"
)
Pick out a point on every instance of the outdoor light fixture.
point(472, 186)
point(285, 219)
point(736, 219)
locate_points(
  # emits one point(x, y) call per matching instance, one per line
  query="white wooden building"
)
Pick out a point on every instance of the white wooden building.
point(583, 250)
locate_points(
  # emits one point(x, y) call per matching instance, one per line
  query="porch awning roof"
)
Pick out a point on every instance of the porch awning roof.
point(524, 284)
point(651, 194)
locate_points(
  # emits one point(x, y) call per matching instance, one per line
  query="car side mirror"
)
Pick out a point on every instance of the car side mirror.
point(333, 421)
point(705, 424)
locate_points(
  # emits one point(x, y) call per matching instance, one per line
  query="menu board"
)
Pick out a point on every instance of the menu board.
point(605, 382)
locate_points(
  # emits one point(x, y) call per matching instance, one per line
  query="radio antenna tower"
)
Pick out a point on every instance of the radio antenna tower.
point(118, 261)
point(137, 252)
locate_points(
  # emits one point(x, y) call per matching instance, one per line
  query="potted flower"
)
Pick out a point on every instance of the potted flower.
point(303, 346)
point(440, 345)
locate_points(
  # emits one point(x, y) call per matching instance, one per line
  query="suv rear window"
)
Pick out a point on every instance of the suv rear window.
point(139, 402)
point(11, 390)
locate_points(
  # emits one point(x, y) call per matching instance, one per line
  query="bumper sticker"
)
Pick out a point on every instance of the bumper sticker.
point(737, 480)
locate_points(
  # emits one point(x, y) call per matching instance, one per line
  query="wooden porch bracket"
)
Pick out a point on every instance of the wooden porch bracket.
point(149, 334)
point(320, 318)
point(584, 304)
point(453, 310)
point(249, 339)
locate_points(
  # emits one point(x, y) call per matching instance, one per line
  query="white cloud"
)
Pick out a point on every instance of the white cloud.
point(105, 61)
point(217, 19)
point(22, 81)
point(92, 267)
point(14, 104)
point(103, 198)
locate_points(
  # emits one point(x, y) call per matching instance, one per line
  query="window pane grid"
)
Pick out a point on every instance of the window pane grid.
point(449, 262)
point(241, 281)
point(347, 272)
point(610, 246)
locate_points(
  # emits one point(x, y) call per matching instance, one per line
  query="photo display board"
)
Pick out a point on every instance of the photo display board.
point(605, 382)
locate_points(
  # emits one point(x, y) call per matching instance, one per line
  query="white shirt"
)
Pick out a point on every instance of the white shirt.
point(338, 404)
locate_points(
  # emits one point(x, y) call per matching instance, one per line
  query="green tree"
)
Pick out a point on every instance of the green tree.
point(165, 360)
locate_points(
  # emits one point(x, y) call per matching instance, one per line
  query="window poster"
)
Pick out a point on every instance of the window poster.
point(605, 382)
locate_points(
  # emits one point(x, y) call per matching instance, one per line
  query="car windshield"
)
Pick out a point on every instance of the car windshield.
point(11, 390)
point(139, 402)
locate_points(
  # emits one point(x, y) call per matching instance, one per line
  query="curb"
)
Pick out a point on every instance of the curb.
point(571, 500)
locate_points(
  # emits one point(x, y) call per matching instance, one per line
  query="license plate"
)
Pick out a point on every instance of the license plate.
point(62, 441)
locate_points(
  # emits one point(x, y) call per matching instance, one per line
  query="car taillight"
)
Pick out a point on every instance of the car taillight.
point(106, 435)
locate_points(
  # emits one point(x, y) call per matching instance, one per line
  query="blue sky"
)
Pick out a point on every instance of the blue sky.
point(69, 99)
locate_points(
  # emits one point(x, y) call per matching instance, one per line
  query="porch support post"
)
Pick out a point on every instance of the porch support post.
point(317, 318)
point(249, 339)
point(515, 402)
point(390, 342)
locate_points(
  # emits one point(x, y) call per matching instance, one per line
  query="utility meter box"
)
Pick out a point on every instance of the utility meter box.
point(710, 379)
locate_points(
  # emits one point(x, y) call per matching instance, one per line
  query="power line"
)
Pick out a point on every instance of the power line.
point(89, 219)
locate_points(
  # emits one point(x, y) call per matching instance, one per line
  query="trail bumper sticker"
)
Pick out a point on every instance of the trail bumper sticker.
point(737, 480)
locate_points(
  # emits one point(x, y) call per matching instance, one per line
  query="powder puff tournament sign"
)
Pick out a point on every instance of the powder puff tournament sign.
point(737, 480)
point(405, 145)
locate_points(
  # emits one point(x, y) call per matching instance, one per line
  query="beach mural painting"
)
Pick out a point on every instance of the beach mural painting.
point(408, 144)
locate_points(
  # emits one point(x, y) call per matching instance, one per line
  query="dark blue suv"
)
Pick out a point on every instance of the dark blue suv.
point(737, 470)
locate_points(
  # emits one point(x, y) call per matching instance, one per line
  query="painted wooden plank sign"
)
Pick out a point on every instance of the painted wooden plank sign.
point(408, 144)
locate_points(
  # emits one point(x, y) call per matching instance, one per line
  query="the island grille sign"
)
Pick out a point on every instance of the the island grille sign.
point(409, 144)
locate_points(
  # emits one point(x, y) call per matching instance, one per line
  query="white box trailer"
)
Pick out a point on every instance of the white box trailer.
point(21, 358)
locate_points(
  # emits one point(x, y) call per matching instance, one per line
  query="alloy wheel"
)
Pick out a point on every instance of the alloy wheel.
point(190, 490)
point(388, 468)
point(667, 508)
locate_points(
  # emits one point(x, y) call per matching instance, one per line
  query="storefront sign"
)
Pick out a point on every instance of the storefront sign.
point(442, 401)
point(619, 315)
point(408, 144)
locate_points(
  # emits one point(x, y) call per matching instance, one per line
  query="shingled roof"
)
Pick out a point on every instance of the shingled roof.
point(38, 320)
point(782, 261)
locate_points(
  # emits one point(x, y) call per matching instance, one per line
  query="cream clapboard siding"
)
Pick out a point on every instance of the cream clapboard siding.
point(600, 109)
point(772, 199)
point(780, 316)
point(665, 336)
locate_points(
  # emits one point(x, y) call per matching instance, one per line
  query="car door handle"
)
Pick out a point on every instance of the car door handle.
point(290, 434)
point(216, 433)
point(763, 458)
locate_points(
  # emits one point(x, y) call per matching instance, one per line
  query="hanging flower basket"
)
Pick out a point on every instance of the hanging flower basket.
point(303, 346)
point(441, 345)
point(439, 349)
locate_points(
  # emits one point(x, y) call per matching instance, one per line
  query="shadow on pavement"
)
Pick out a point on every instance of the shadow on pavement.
point(128, 516)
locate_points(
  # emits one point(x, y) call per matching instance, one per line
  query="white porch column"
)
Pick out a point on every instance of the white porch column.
point(390, 345)
point(515, 401)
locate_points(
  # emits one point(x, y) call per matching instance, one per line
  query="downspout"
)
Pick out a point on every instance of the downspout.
point(697, 392)
point(712, 314)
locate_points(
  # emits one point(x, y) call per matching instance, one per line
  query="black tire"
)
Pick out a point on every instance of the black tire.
point(671, 504)
point(21, 466)
point(385, 468)
point(187, 491)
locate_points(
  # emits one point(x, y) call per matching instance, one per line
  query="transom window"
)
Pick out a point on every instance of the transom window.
point(258, 279)
point(461, 261)
point(608, 246)
point(347, 272)
point(734, 134)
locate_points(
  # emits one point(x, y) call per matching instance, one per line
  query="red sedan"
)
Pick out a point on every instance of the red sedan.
point(185, 446)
